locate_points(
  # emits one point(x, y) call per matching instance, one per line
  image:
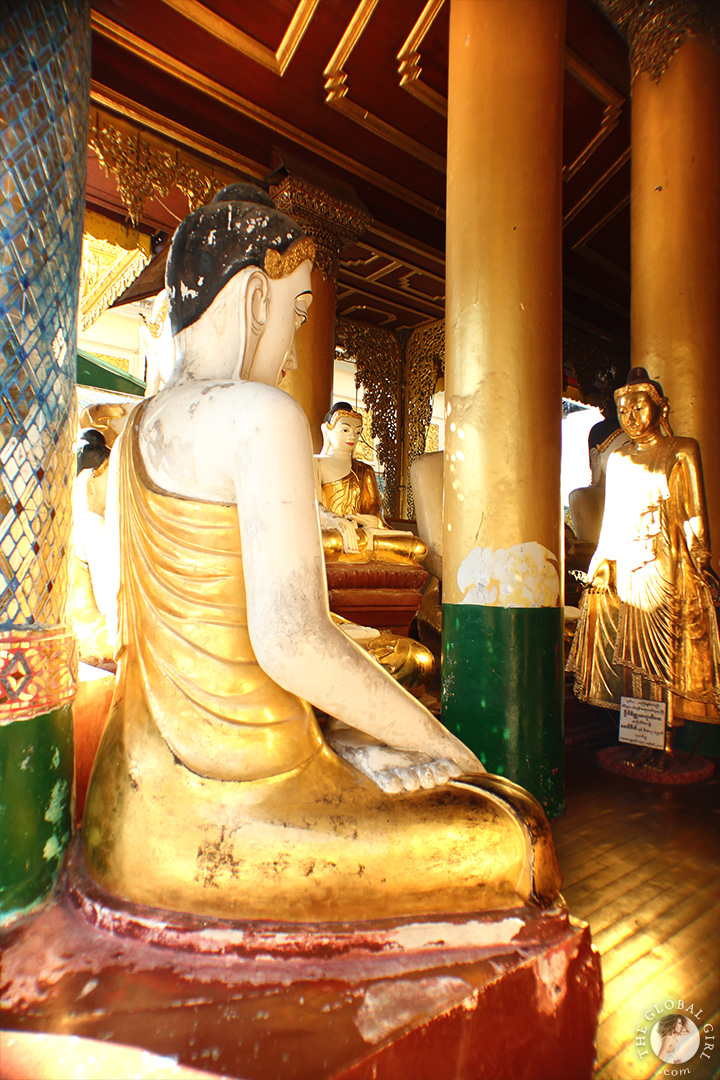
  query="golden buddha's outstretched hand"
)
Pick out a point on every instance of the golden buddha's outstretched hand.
point(395, 770)
point(367, 521)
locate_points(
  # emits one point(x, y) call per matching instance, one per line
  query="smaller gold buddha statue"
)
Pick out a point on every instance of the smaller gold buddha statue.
point(349, 505)
point(648, 627)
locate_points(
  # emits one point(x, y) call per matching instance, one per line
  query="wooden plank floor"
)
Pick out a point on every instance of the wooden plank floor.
point(641, 865)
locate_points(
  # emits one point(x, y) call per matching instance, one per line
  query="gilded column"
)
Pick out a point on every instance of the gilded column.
point(675, 268)
point(44, 87)
point(502, 551)
point(333, 224)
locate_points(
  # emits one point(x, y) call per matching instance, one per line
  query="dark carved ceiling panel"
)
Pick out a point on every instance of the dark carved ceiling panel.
point(358, 92)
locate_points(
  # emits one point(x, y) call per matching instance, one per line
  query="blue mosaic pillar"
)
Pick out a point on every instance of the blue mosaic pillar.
point(44, 99)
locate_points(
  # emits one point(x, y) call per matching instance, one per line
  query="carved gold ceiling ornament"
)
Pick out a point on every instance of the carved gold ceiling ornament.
point(377, 357)
point(656, 30)
point(424, 365)
point(336, 93)
point(276, 61)
point(409, 66)
point(190, 76)
point(400, 289)
point(581, 245)
point(613, 101)
point(599, 184)
point(331, 222)
point(144, 168)
point(112, 257)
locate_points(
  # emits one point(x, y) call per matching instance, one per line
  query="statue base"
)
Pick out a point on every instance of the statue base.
point(512, 994)
point(685, 768)
point(383, 595)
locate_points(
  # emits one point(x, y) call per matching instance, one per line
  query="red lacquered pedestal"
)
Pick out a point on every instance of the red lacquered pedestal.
point(512, 994)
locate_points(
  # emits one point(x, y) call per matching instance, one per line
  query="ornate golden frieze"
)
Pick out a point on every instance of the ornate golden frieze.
point(112, 257)
point(336, 93)
point(432, 442)
point(377, 358)
point(655, 31)
point(104, 98)
point(331, 222)
point(276, 61)
point(144, 168)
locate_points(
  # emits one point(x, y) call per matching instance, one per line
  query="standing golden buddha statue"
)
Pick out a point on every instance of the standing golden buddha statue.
point(648, 626)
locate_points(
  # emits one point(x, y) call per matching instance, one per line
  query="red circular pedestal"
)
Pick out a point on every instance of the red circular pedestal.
point(687, 769)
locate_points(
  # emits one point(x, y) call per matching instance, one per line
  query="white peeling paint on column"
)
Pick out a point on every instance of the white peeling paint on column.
point(521, 576)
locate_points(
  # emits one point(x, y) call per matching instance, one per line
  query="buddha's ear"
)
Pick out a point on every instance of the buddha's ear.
point(256, 301)
point(255, 307)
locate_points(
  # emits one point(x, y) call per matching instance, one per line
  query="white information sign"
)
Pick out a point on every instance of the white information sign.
point(642, 722)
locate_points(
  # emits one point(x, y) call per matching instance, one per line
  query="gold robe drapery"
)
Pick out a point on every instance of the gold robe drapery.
point(355, 494)
point(213, 791)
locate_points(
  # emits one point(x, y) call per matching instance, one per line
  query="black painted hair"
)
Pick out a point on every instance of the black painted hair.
point(344, 405)
point(217, 241)
point(640, 375)
point(92, 449)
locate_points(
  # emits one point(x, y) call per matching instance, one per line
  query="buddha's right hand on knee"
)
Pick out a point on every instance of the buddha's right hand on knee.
point(393, 770)
point(342, 525)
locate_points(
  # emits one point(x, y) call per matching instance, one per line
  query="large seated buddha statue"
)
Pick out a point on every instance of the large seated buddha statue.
point(215, 791)
point(349, 504)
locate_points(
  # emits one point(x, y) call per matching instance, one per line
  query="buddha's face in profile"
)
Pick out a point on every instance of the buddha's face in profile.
point(639, 415)
point(343, 437)
point(288, 301)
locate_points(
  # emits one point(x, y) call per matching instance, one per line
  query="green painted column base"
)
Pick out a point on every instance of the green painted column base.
point(503, 693)
point(36, 786)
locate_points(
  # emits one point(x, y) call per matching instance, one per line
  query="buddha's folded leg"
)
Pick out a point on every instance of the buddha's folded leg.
point(334, 548)
point(321, 843)
point(400, 548)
